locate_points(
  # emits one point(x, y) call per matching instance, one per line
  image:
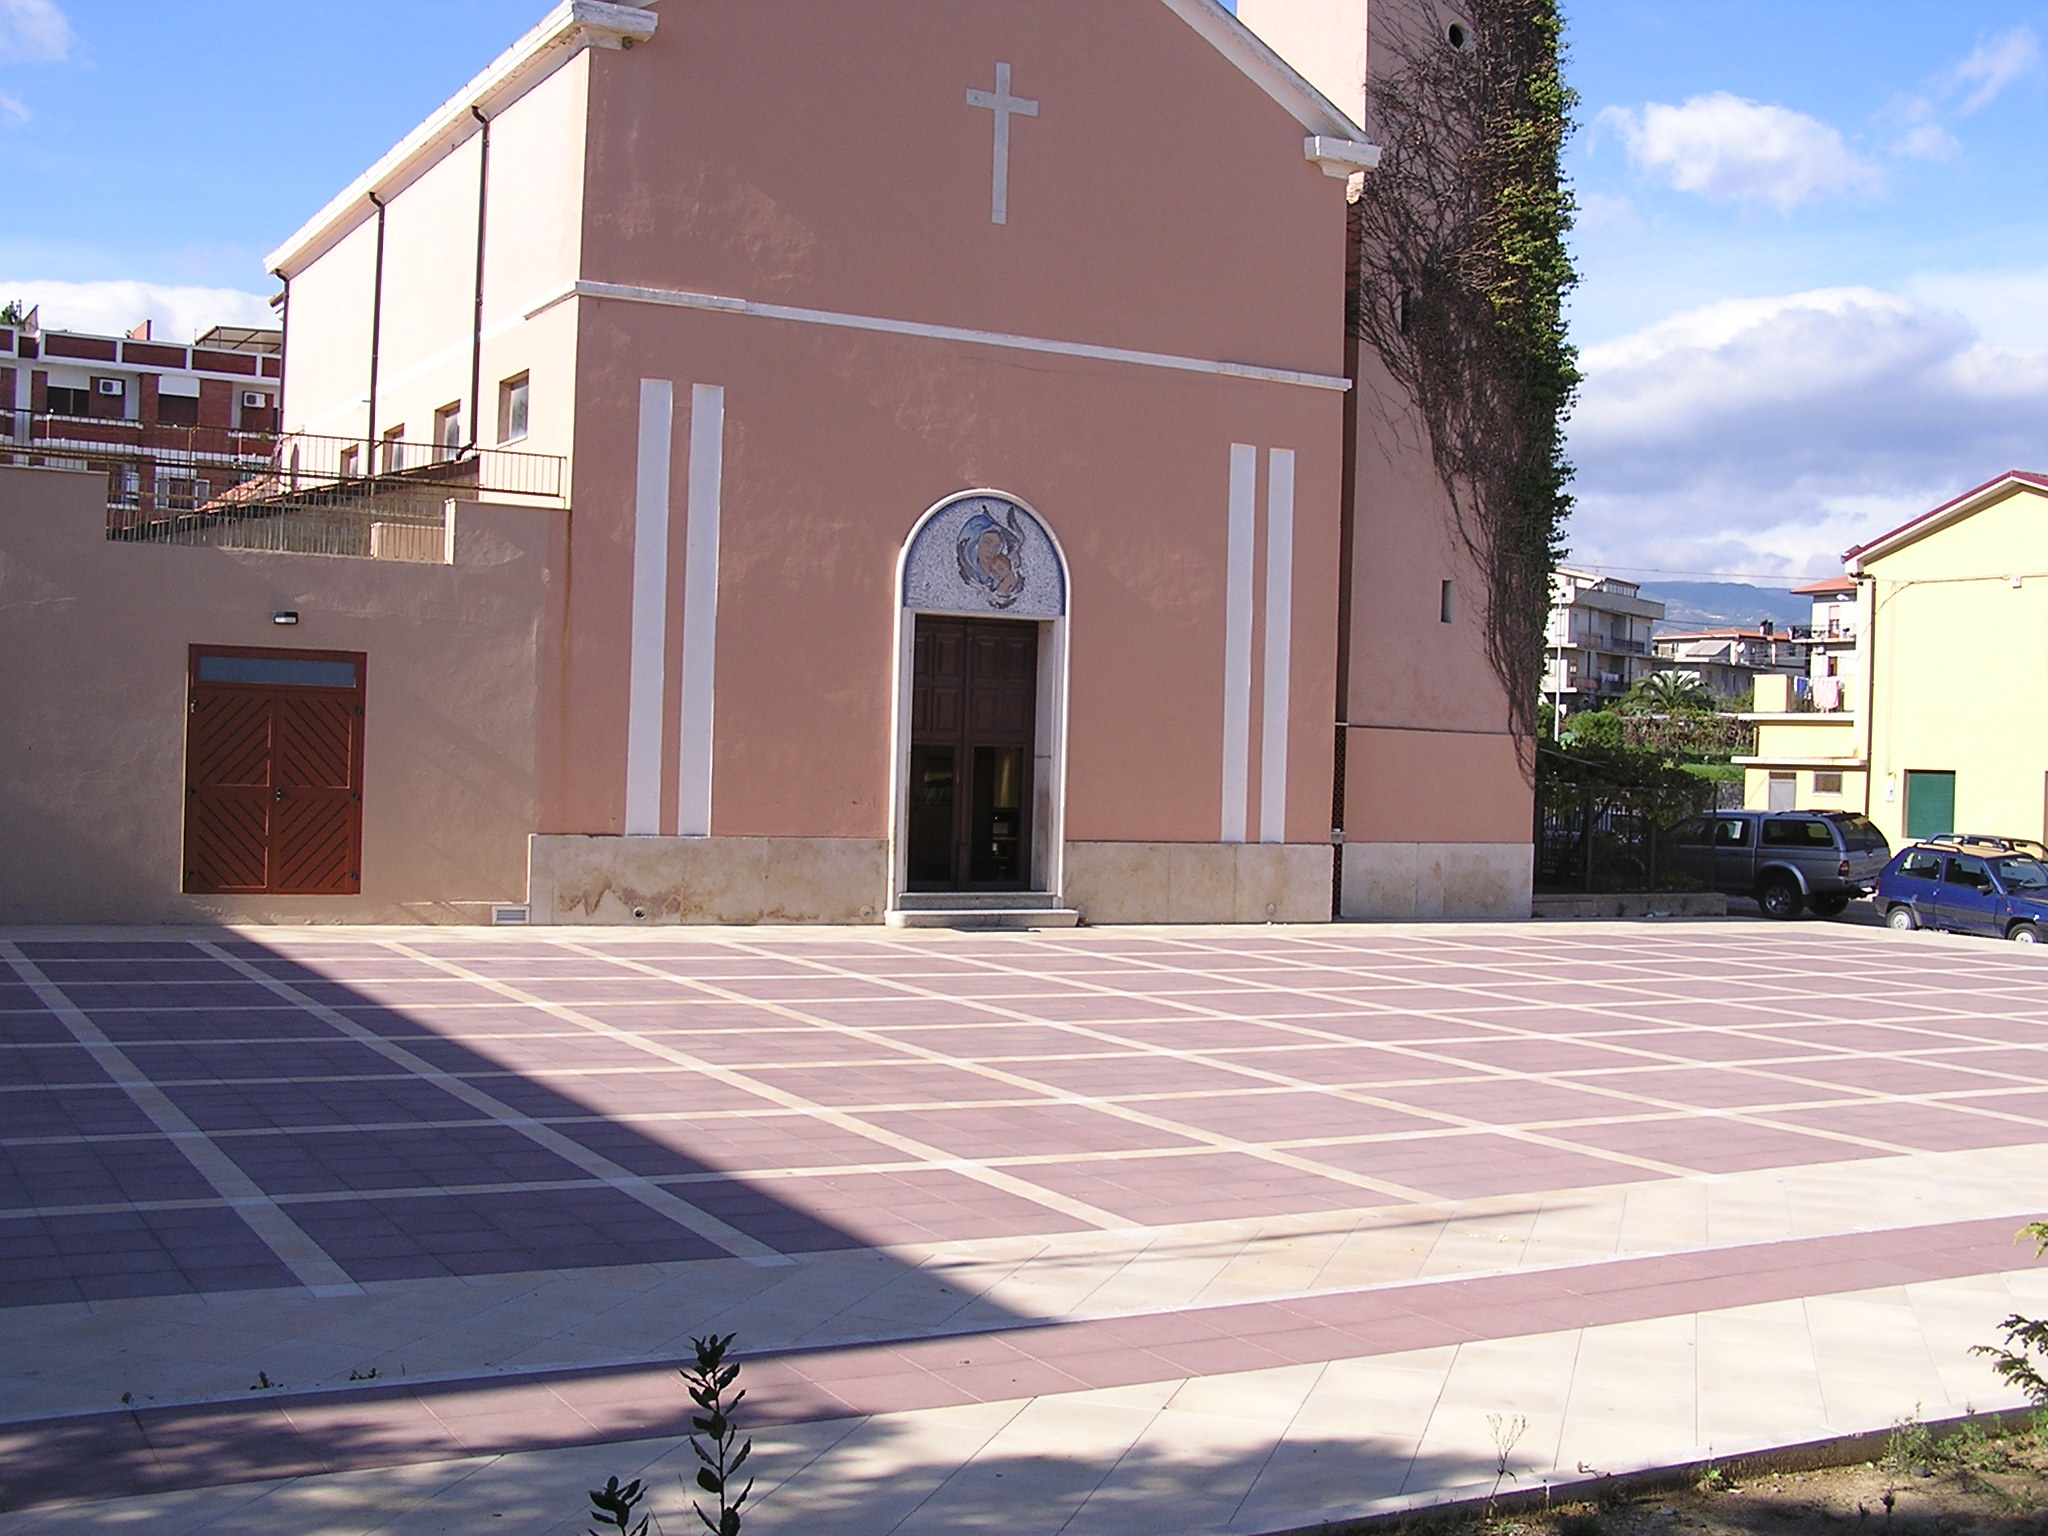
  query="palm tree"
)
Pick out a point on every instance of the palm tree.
point(1669, 693)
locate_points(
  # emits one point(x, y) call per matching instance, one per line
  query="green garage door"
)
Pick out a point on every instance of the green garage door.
point(1930, 804)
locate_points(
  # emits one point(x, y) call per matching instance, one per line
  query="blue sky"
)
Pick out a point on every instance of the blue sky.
point(1815, 294)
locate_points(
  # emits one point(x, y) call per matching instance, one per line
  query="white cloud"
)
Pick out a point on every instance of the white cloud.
point(1729, 149)
point(13, 111)
point(114, 308)
point(1600, 210)
point(1993, 65)
point(1767, 435)
point(33, 32)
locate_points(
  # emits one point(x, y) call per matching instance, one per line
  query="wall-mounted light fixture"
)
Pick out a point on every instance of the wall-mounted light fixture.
point(285, 616)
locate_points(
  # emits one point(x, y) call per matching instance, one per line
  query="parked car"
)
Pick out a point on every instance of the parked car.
point(2003, 844)
point(1785, 861)
point(1967, 888)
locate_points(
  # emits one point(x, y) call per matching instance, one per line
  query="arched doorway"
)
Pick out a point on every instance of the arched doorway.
point(978, 791)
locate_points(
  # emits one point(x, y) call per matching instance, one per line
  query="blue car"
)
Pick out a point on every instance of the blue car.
point(1981, 888)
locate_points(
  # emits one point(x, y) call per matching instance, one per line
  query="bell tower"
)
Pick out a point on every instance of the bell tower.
point(1323, 39)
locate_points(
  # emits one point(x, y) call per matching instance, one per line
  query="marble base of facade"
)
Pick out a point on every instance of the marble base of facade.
point(1394, 882)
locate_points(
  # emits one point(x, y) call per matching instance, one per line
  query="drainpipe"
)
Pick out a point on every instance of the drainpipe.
point(1867, 644)
point(376, 336)
point(284, 341)
point(1347, 522)
point(476, 324)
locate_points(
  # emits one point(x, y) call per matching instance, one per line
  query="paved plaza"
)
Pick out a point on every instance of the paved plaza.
point(1136, 1231)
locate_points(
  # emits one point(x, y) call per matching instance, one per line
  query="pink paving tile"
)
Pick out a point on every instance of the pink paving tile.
point(792, 1044)
point(904, 1013)
point(1089, 1009)
point(1421, 1030)
point(1341, 1065)
point(1284, 1114)
point(2032, 1106)
point(1878, 1039)
point(1474, 1165)
point(1506, 1100)
point(1203, 1034)
point(1692, 1044)
point(1717, 1087)
point(1713, 1145)
point(918, 1206)
point(617, 1093)
point(1206, 1186)
point(1542, 1055)
point(1893, 1076)
point(1929, 1127)
point(1106, 1076)
point(911, 1082)
point(2029, 1064)
point(995, 1040)
point(1027, 1130)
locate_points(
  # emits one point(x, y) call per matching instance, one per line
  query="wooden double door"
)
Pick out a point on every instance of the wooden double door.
point(973, 717)
point(274, 772)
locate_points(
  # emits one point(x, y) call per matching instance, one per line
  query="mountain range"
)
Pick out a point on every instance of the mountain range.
point(1690, 605)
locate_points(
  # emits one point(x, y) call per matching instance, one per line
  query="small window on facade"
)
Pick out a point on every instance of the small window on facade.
point(512, 409)
point(70, 402)
point(1827, 783)
point(448, 429)
point(394, 450)
point(348, 462)
point(1443, 607)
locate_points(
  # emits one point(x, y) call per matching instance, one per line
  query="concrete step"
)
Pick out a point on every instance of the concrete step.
point(977, 901)
point(1012, 919)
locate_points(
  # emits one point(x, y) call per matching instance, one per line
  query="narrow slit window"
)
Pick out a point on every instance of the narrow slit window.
point(1445, 600)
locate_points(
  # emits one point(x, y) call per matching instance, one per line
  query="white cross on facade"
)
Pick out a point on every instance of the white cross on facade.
point(1005, 106)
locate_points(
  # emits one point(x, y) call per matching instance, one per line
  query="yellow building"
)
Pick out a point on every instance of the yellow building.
point(1945, 724)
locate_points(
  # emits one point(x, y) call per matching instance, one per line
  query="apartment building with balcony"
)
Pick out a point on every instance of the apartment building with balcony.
point(1598, 642)
point(171, 423)
point(1831, 652)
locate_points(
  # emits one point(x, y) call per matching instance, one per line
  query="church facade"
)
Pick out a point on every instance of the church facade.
point(964, 504)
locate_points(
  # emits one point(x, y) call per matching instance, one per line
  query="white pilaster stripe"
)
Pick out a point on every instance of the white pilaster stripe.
point(309, 1263)
point(700, 607)
point(1279, 645)
point(646, 675)
point(1237, 639)
point(676, 298)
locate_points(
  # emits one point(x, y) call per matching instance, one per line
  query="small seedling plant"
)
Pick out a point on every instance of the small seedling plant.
point(2020, 1360)
point(710, 1380)
point(719, 1447)
point(612, 1507)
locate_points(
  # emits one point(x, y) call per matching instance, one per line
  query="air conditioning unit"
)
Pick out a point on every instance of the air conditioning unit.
point(254, 400)
point(112, 387)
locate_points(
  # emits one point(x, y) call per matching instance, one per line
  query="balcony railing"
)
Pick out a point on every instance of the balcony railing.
point(301, 493)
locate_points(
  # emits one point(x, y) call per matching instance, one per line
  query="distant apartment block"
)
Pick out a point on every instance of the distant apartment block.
point(1598, 642)
point(171, 423)
point(1728, 661)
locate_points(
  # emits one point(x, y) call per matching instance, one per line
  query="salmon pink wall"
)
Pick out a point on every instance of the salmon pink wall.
point(825, 155)
point(834, 447)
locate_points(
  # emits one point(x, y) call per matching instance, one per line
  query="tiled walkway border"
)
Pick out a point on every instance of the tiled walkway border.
point(161, 1449)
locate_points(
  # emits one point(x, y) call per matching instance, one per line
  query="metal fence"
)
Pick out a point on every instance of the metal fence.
point(302, 494)
point(1607, 837)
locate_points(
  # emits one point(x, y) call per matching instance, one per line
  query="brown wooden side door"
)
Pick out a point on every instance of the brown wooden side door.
point(274, 772)
point(974, 708)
